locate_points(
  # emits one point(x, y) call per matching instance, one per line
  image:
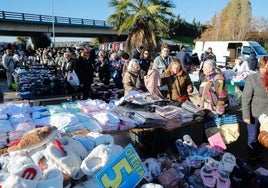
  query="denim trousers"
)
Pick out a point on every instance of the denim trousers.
point(253, 132)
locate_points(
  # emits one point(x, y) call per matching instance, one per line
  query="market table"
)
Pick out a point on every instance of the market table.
point(38, 100)
point(157, 139)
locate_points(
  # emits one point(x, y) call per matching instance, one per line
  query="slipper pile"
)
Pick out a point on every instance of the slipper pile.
point(198, 166)
point(43, 158)
point(213, 177)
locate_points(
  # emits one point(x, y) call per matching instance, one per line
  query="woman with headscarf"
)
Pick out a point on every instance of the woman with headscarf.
point(178, 82)
point(213, 90)
point(255, 103)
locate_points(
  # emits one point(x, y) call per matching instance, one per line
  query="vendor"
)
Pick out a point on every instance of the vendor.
point(178, 82)
point(133, 79)
point(241, 65)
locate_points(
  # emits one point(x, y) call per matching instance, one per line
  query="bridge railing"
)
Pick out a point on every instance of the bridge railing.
point(47, 19)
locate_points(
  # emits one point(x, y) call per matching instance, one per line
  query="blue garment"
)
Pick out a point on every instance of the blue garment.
point(184, 58)
point(253, 132)
point(252, 62)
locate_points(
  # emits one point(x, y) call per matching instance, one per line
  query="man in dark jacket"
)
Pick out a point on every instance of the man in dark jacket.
point(85, 72)
point(252, 62)
point(185, 58)
point(137, 52)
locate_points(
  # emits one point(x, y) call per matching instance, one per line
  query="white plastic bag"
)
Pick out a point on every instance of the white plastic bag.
point(72, 78)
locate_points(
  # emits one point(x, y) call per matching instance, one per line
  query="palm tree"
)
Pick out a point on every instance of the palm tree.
point(144, 20)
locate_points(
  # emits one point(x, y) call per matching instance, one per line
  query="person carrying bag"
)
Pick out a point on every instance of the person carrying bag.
point(73, 79)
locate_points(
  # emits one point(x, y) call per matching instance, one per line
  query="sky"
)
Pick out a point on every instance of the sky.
point(200, 10)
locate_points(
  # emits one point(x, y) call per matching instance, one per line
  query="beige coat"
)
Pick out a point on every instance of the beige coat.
point(177, 85)
point(133, 82)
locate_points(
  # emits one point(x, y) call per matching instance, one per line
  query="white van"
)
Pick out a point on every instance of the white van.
point(228, 51)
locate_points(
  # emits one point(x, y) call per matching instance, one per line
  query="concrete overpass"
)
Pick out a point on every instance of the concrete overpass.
point(23, 24)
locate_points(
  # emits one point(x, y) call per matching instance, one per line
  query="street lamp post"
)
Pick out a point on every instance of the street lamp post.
point(53, 23)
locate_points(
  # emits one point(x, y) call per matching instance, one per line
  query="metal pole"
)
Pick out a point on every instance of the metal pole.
point(53, 23)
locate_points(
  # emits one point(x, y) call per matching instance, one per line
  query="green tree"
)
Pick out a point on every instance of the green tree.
point(144, 20)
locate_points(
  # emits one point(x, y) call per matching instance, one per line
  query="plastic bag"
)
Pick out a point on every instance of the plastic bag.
point(72, 78)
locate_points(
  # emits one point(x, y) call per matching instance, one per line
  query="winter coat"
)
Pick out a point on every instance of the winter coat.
point(177, 85)
point(213, 93)
point(254, 97)
point(85, 71)
point(133, 82)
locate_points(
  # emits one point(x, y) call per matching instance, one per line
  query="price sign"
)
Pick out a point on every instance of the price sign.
point(127, 170)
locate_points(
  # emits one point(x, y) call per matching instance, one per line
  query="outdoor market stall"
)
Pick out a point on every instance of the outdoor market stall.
point(77, 138)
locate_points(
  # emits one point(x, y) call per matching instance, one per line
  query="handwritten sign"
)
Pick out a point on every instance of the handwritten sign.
point(127, 170)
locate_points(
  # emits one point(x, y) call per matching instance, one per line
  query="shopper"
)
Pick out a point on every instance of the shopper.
point(8, 64)
point(69, 63)
point(133, 80)
point(116, 67)
point(178, 81)
point(161, 63)
point(208, 55)
point(213, 90)
point(145, 60)
point(125, 59)
point(185, 58)
point(85, 72)
point(241, 65)
point(137, 52)
point(103, 69)
point(254, 103)
point(252, 62)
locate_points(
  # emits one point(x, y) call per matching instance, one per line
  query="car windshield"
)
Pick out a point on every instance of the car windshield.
point(260, 50)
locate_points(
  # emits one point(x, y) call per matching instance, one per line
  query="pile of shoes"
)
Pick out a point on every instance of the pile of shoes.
point(202, 167)
point(45, 158)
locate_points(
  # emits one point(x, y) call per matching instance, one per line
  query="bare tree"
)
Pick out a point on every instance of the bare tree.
point(232, 23)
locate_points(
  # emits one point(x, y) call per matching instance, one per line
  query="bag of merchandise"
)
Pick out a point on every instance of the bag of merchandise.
point(72, 78)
